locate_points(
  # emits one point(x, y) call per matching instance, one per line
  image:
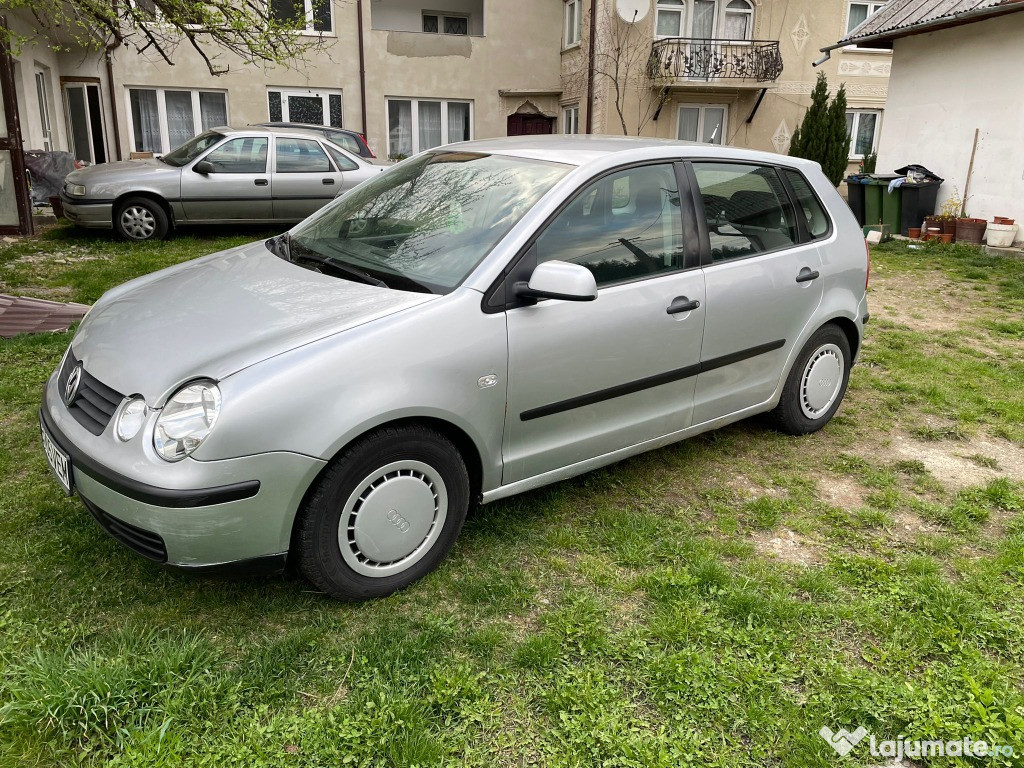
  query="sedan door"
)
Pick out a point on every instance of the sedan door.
point(305, 179)
point(236, 186)
point(590, 378)
point(763, 286)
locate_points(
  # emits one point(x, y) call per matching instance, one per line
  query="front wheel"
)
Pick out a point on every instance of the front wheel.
point(384, 514)
point(816, 385)
point(139, 218)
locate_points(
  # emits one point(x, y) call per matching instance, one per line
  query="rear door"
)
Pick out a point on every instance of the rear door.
point(304, 178)
point(763, 284)
point(239, 187)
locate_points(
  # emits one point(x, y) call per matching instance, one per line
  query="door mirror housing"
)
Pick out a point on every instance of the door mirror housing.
point(558, 280)
point(204, 167)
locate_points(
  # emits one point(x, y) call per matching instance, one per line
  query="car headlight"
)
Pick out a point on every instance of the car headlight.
point(78, 190)
point(130, 419)
point(186, 420)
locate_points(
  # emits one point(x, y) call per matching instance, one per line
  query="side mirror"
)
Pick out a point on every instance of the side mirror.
point(204, 167)
point(558, 280)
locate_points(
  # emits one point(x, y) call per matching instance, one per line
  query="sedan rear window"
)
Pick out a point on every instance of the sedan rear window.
point(428, 221)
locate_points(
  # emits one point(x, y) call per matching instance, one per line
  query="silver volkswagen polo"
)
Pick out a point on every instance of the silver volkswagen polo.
point(480, 320)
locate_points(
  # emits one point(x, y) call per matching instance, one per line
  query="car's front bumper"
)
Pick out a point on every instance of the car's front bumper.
point(206, 515)
point(92, 214)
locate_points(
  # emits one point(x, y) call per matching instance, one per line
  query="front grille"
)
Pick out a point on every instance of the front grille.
point(95, 403)
point(145, 543)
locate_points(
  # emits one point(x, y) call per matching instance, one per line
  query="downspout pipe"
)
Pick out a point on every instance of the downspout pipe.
point(108, 55)
point(590, 66)
point(362, 65)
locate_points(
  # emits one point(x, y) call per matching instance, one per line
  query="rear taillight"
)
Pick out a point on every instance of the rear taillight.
point(367, 145)
point(867, 276)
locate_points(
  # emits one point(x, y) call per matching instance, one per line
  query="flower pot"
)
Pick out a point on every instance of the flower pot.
point(949, 227)
point(1002, 220)
point(970, 230)
point(930, 222)
point(946, 238)
point(914, 233)
point(1000, 235)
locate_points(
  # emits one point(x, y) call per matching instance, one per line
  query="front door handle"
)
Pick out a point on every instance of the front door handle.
point(261, 182)
point(682, 304)
point(328, 182)
point(807, 274)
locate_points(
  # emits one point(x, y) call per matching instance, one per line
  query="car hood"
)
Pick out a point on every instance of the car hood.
point(216, 315)
point(96, 177)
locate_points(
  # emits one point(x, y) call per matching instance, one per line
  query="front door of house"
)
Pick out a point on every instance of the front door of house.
point(85, 121)
point(530, 125)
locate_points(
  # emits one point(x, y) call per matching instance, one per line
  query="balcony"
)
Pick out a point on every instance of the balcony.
point(731, 63)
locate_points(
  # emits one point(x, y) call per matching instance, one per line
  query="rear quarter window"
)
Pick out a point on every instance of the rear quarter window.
point(818, 224)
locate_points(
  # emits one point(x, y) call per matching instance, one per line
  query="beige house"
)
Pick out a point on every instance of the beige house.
point(412, 74)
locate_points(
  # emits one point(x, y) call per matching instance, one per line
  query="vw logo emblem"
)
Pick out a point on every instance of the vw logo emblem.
point(72, 384)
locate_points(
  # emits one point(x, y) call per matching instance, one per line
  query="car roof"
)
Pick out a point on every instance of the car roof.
point(296, 133)
point(308, 127)
point(584, 149)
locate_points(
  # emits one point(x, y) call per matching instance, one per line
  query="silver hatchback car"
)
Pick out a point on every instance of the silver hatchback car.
point(223, 176)
point(480, 320)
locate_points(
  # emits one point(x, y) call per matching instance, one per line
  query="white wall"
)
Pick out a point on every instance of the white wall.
point(943, 86)
point(407, 15)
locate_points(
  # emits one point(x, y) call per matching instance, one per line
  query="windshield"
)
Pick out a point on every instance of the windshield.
point(191, 149)
point(429, 221)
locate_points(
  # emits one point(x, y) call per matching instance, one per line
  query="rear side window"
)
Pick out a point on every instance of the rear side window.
point(625, 226)
point(344, 163)
point(345, 141)
point(747, 209)
point(811, 209)
point(301, 156)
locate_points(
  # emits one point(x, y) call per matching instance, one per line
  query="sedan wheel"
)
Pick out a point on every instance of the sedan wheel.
point(140, 218)
point(383, 514)
point(816, 384)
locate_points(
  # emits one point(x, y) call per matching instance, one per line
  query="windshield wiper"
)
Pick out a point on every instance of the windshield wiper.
point(293, 254)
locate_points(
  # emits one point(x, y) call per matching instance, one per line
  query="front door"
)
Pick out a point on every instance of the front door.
point(530, 125)
point(589, 378)
point(239, 187)
point(305, 180)
point(763, 286)
point(85, 121)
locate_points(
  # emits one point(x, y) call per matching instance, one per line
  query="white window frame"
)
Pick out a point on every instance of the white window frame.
point(572, 24)
point(700, 121)
point(161, 110)
point(44, 98)
point(85, 85)
point(684, 18)
point(415, 122)
point(748, 12)
point(571, 119)
point(856, 124)
point(308, 29)
point(874, 6)
point(323, 93)
point(441, 17)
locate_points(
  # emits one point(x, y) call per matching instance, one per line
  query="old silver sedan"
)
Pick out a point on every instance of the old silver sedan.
point(222, 176)
point(478, 321)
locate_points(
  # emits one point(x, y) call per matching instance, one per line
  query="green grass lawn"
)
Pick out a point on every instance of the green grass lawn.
point(714, 603)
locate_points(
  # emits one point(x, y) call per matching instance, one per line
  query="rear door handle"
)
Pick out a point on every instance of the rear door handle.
point(261, 182)
point(682, 304)
point(328, 182)
point(807, 274)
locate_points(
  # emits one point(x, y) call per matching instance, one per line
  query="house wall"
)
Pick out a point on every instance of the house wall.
point(945, 85)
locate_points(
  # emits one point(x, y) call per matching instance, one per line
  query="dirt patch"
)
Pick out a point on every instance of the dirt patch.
point(908, 525)
point(951, 463)
point(929, 302)
point(748, 489)
point(841, 492)
point(786, 546)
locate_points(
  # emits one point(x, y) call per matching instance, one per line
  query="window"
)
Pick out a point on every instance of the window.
point(747, 209)
point(862, 128)
point(670, 18)
point(301, 156)
point(320, 107)
point(341, 160)
point(703, 123)
point(450, 25)
point(343, 140)
point(165, 118)
point(623, 227)
point(43, 97)
point(305, 15)
point(814, 213)
point(571, 119)
point(571, 35)
point(739, 21)
point(418, 124)
point(862, 11)
point(244, 155)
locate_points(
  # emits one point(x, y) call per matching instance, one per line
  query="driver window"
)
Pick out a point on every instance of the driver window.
point(248, 155)
point(623, 227)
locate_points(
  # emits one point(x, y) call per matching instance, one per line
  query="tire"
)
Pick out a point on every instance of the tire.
point(816, 385)
point(140, 219)
point(384, 514)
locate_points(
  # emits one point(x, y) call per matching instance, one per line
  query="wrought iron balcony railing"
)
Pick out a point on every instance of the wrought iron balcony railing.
point(688, 58)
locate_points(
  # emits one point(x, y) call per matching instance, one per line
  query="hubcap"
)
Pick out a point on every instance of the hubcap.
point(822, 380)
point(392, 518)
point(138, 222)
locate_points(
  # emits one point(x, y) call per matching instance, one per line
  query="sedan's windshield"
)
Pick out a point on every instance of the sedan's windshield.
point(191, 149)
point(429, 221)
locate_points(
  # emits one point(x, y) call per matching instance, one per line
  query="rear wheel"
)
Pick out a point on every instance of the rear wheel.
point(139, 218)
point(816, 385)
point(384, 514)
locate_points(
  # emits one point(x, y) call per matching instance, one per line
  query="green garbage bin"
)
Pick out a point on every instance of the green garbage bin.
point(892, 208)
point(873, 203)
point(882, 206)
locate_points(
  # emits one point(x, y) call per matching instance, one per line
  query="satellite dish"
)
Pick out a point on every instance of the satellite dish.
point(631, 11)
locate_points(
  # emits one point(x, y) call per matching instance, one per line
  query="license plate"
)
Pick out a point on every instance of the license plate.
point(60, 462)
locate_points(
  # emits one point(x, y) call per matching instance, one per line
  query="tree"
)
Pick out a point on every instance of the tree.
point(218, 30)
point(822, 135)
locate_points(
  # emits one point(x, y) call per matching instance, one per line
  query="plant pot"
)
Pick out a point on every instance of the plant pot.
point(949, 227)
point(946, 238)
point(914, 233)
point(1002, 220)
point(1000, 235)
point(931, 222)
point(970, 230)
point(58, 208)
